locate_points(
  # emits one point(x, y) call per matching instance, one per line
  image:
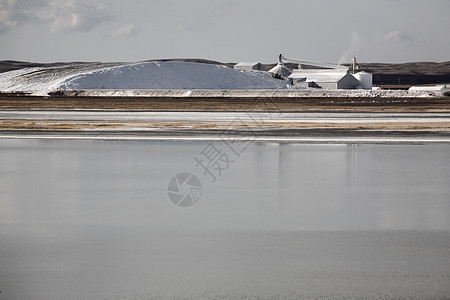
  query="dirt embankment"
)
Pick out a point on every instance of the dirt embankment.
point(439, 104)
point(219, 127)
point(431, 128)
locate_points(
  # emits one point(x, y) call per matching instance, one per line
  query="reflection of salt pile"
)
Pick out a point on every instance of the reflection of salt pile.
point(150, 75)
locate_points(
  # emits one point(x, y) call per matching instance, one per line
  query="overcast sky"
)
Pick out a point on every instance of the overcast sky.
point(225, 30)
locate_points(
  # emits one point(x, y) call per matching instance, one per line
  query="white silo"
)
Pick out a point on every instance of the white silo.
point(365, 80)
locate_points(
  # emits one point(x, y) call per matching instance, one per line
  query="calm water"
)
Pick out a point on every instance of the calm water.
point(93, 220)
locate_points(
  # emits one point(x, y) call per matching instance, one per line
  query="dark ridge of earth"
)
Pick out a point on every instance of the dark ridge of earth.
point(403, 74)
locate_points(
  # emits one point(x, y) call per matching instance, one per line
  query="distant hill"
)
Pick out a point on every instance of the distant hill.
point(383, 73)
point(11, 65)
point(409, 73)
point(417, 68)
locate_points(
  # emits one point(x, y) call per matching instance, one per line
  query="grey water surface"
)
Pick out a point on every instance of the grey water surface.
point(94, 220)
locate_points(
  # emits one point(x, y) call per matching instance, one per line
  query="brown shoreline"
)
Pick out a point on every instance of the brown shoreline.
point(428, 130)
point(348, 104)
point(209, 126)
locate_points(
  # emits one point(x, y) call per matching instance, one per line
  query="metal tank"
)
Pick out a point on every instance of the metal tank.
point(365, 80)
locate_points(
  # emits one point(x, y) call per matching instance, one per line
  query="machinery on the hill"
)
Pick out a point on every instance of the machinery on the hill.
point(312, 63)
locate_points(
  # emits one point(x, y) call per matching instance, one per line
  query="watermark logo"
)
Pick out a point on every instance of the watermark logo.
point(217, 157)
point(184, 189)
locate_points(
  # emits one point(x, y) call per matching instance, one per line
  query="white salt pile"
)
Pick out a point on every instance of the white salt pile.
point(149, 75)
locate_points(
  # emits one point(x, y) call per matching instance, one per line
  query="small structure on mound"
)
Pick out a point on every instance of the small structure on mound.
point(280, 71)
point(248, 66)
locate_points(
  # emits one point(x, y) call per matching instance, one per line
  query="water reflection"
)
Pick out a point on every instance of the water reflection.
point(92, 220)
point(271, 186)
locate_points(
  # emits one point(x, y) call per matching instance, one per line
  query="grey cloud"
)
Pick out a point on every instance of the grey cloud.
point(73, 15)
point(128, 30)
point(207, 14)
point(13, 13)
point(397, 36)
point(7, 21)
point(228, 30)
point(420, 2)
point(76, 15)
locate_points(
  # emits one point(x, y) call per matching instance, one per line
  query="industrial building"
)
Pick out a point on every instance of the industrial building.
point(248, 66)
point(329, 76)
point(325, 79)
point(280, 71)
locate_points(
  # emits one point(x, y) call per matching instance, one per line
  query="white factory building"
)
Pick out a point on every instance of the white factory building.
point(330, 79)
point(325, 79)
point(248, 66)
point(331, 76)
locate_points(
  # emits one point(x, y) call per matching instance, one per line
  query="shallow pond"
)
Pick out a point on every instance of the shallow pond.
point(102, 220)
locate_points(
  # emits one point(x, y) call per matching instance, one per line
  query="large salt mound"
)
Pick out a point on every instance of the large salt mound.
point(150, 75)
point(171, 75)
